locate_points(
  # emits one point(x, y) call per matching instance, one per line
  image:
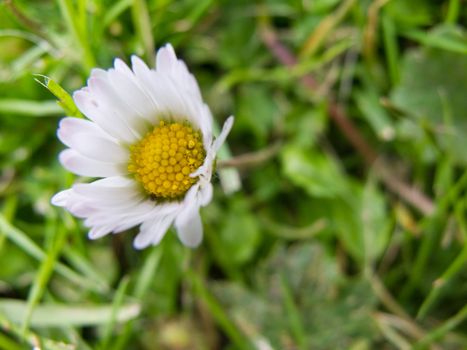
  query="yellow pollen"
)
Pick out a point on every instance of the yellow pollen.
point(164, 159)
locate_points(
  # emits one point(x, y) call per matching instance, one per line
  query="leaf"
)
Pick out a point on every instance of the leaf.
point(361, 222)
point(368, 103)
point(55, 315)
point(313, 171)
point(29, 108)
point(448, 38)
point(414, 12)
point(432, 91)
point(65, 100)
point(23, 241)
point(256, 111)
point(240, 234)
point(333, 311)
point(375, 222)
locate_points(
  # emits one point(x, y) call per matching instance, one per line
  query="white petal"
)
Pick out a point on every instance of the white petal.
point(205, 193)
point(81, 209)
point(106, 210)
point(112, 93)
point(80, 165)
point(151, 232)
point(206, 121)
point(180, 94)
point(205, 170)
point(144, 77)
point(139, 67)
point(223, 135)
point(165, 58)
point(96, 147)
point(114, 181)
point(132, 216)
point(69, 126)
point(122, 67)
point(190, 231)
point(60, 199)
point(103, 116)
point(167, 63)
point(134, 97)
point(98, 73)
point(99, 231)
point(98, 189)
point(170, 99)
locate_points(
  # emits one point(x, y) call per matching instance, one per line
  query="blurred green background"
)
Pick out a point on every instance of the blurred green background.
point(349, 229)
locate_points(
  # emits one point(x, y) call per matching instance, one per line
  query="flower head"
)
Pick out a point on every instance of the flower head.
point(149, 139)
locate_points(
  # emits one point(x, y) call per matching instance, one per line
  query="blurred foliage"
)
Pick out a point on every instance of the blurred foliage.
point(315, 251)
point(283, 307)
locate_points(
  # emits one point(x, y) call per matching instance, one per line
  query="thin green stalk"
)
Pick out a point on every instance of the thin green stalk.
point(295, 322)
point(146, 276)
point(432, 233)
point(80, 36)
point(453, 11)
point(444, 43)
point(142, 23)
point(442, 330)
point(391, 47)
point(217, 312)
point(81, 19)
point(7, 343)
point(439, 286)
point(112, 13)
point(456, 266)
point(284, 74)
point(22, 240)
point(459, 213)
point(117, 303)
point(142, 286)
point(45, 272)
point(65, 101)
point(30, 108)
point(314, 41)
point(192, 18)
point(8, 211)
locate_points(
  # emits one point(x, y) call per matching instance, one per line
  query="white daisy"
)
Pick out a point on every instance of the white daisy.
point(149, 139)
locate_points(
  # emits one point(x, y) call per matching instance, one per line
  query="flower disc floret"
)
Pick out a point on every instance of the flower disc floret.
point(164, 159)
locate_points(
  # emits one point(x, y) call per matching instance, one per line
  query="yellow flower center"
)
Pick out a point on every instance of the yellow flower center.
point(164, 159)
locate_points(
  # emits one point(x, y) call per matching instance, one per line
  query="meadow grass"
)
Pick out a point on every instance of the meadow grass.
point(339, 212)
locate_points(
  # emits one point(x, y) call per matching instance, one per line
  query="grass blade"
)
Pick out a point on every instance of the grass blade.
point(142, 23)
point(24, 242)
point(55, 315)
point(29, 108)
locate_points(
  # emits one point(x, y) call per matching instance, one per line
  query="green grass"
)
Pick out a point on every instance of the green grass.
point(340, 223)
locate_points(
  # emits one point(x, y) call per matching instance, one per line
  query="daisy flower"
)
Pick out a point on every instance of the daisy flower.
point(149, 140)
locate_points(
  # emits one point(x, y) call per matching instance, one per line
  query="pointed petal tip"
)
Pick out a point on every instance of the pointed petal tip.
point(65, 157)
point(139, 246)
point(142, 241)
point(98, 232)
point(136, 61)
point(119, 64)
point(192, 243)
point(168, 48)
point(60, 199)
point(228, 124)
point(165, 57)
point(190, 228)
